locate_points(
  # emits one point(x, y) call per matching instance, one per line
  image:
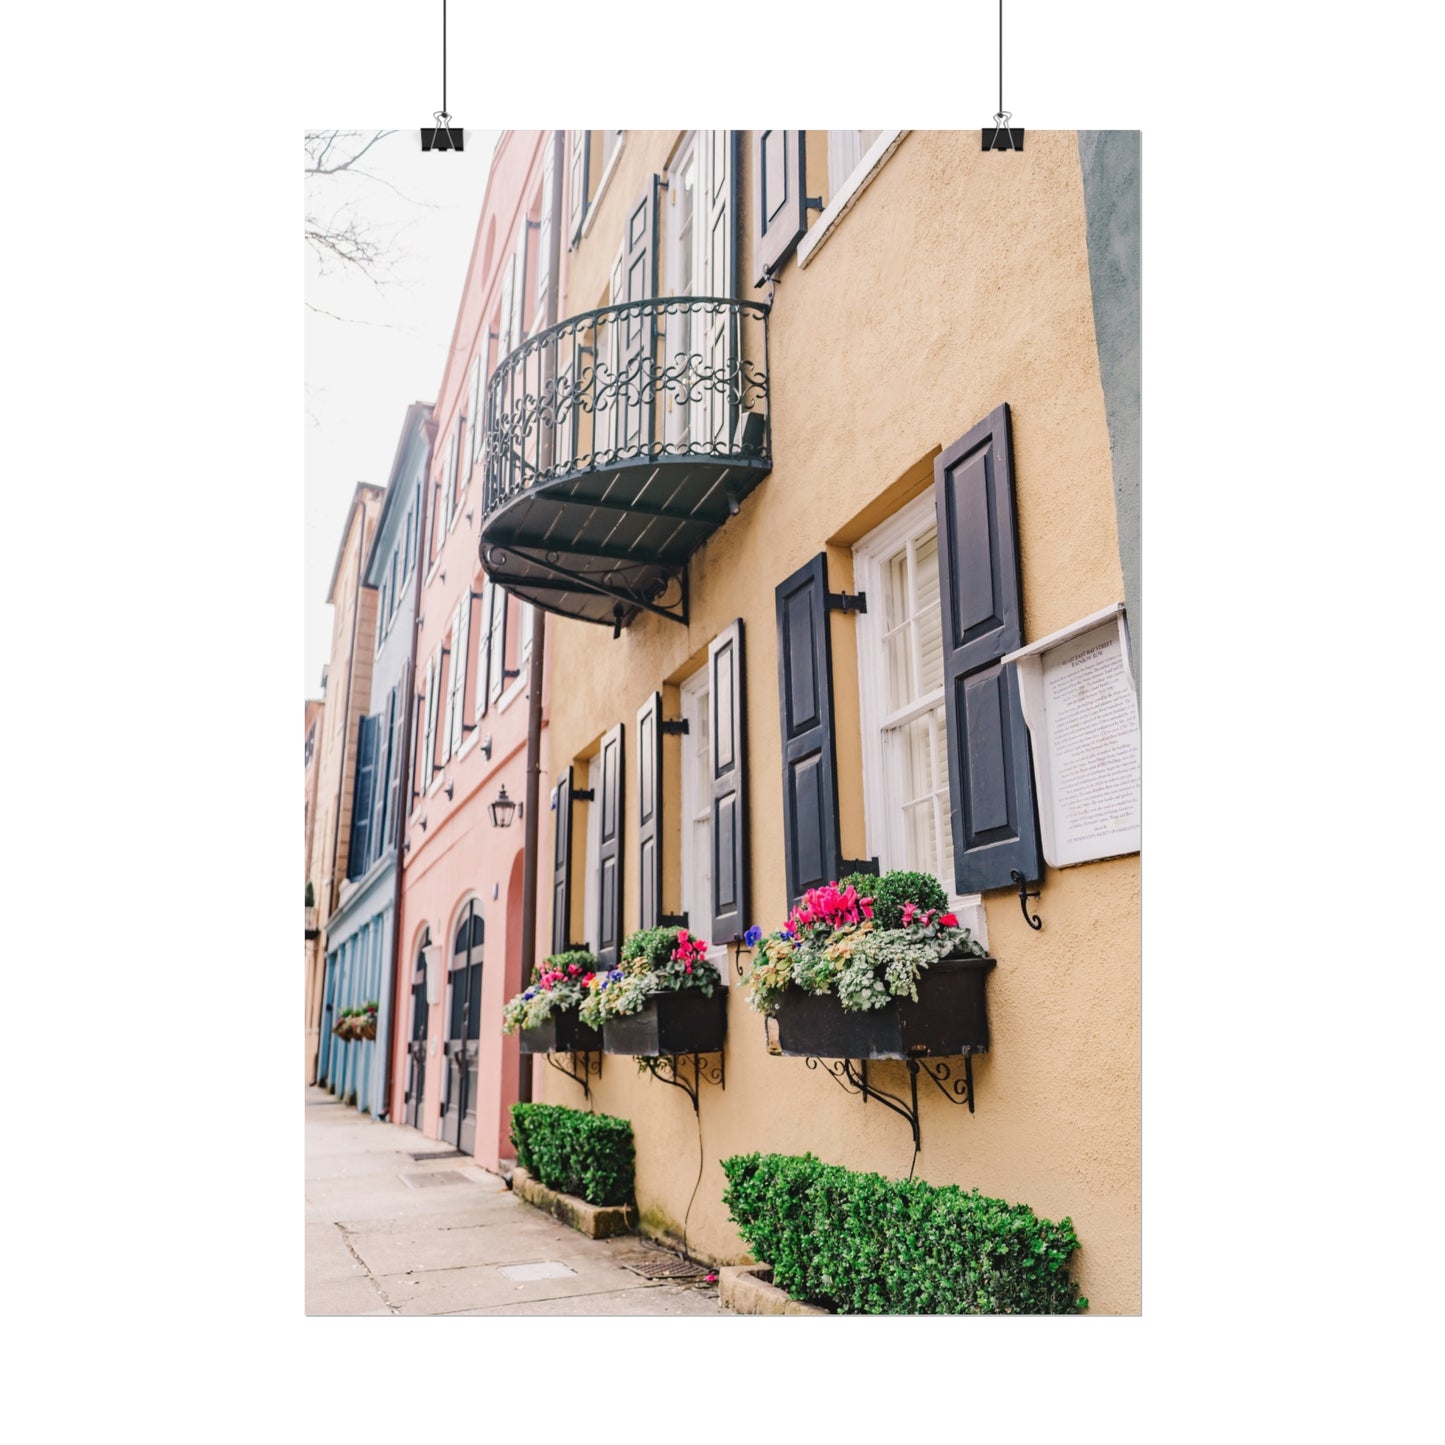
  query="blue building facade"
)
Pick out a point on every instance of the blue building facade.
point(361, 932)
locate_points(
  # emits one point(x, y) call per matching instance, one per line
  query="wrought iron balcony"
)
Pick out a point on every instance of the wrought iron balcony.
point(616, 444)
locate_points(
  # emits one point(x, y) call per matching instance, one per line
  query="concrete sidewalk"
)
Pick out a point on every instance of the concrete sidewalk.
point(387, 1234)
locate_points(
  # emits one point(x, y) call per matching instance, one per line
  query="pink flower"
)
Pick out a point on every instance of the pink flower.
point(689, 968)
point(949, 920)
point(909, 909)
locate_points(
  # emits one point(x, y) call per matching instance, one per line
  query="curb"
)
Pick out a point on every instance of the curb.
point(596, 1221)
point(748, 1289)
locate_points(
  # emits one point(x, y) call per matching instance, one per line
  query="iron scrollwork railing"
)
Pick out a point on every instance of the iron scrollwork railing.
point(671, 378)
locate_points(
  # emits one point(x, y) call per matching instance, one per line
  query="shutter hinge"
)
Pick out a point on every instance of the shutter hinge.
point(584, 795)
point(672, 726)
point(813, 203)
point(857, 865)
point(511, 672)
point(673, 920)
point(847, 602)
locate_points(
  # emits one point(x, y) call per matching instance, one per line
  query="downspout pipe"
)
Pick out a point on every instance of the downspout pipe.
point(403, 784)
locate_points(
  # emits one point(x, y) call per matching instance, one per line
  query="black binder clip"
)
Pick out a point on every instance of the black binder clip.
point(442, 137)
point(999, 137)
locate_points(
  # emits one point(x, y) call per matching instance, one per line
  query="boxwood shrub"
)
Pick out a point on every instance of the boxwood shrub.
point(863, 1244)
point(589, 1155)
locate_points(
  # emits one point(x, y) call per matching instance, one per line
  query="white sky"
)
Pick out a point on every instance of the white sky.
point(362, 372)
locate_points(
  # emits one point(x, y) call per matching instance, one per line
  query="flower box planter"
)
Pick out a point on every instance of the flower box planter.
point(688, 1022)
point(949, 1020)
point(563, 1033)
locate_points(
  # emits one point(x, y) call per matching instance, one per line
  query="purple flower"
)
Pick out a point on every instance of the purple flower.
point(752, 936)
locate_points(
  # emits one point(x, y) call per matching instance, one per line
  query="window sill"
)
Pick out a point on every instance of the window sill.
point(518, 687)
point(843, 201)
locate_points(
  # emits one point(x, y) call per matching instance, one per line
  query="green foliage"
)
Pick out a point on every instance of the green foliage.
point(863, 1244)
point(890, 892)
point(588, 1155)
point(310, 895)
point(559, 983)
point(653, 960)
point(868, 954)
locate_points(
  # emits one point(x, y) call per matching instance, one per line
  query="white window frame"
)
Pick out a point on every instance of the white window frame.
point(843, 197)
point(870, 557)
point(699, 921)
point(607, 172)
point(591, 896)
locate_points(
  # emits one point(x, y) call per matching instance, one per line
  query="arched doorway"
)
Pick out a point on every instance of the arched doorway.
point(464, 1027)
point(416, 1048)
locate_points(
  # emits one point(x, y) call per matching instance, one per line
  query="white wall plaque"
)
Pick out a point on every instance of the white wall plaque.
point(1082, 713)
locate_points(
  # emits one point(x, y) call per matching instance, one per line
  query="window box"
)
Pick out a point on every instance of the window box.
point(563, 1033)
point(686, 1022)
point(949, 1020)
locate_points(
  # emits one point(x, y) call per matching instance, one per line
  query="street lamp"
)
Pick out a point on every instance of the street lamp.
point(503, 810)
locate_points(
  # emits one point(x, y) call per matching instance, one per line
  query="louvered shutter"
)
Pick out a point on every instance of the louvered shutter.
point(484, 651)
point(609, 851)
point(780, 211)
point(359, 859)
point(433, 678)
point(544, 233)
point(634, 278)
point(720, 333)
point(392, 784)
point(805, 699)
point(509, 297)
point(649, 811)
point(995, 825)
point(729, 785)
point(461, 642)
point(474, 416)
point(579, 145)
point(562, 864)
point(519, 285)
point(381, 786)
point(497, 645)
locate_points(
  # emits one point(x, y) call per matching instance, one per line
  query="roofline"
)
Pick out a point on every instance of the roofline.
point(358, 498)
point(411, 426)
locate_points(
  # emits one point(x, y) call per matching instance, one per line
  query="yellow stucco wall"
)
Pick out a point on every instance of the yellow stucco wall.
point(959, 280)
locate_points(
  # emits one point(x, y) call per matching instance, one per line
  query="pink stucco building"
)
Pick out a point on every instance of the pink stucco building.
point(455, 1075)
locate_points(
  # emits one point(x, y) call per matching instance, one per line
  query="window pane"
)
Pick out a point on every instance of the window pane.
point(930, 625)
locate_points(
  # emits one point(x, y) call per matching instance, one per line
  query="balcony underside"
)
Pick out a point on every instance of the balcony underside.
point(604, 544)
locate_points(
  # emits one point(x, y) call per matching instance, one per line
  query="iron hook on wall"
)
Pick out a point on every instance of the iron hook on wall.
point(1024, 895)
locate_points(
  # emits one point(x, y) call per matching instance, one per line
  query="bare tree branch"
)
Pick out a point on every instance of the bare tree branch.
point(319, 145)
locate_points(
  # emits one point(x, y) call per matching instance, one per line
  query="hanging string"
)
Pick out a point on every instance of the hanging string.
point(1002, 117)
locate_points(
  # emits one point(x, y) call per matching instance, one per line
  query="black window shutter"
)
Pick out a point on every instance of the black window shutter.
point(358, 860)
point(649, 811)
point(729, 786)
point(561, 864)
point(805, 691)
point(995, 825)
point(609, 851)
point(780, 209)
point(634, 278)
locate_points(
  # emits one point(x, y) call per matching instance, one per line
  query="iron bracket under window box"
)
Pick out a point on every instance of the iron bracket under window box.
point(949, 1020)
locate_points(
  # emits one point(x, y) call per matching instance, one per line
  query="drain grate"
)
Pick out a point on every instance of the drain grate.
point(438, 1154)
point(653, 1265)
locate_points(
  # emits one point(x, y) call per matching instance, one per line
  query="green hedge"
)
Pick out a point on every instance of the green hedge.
point(863, 1244)
point(589, 1155)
